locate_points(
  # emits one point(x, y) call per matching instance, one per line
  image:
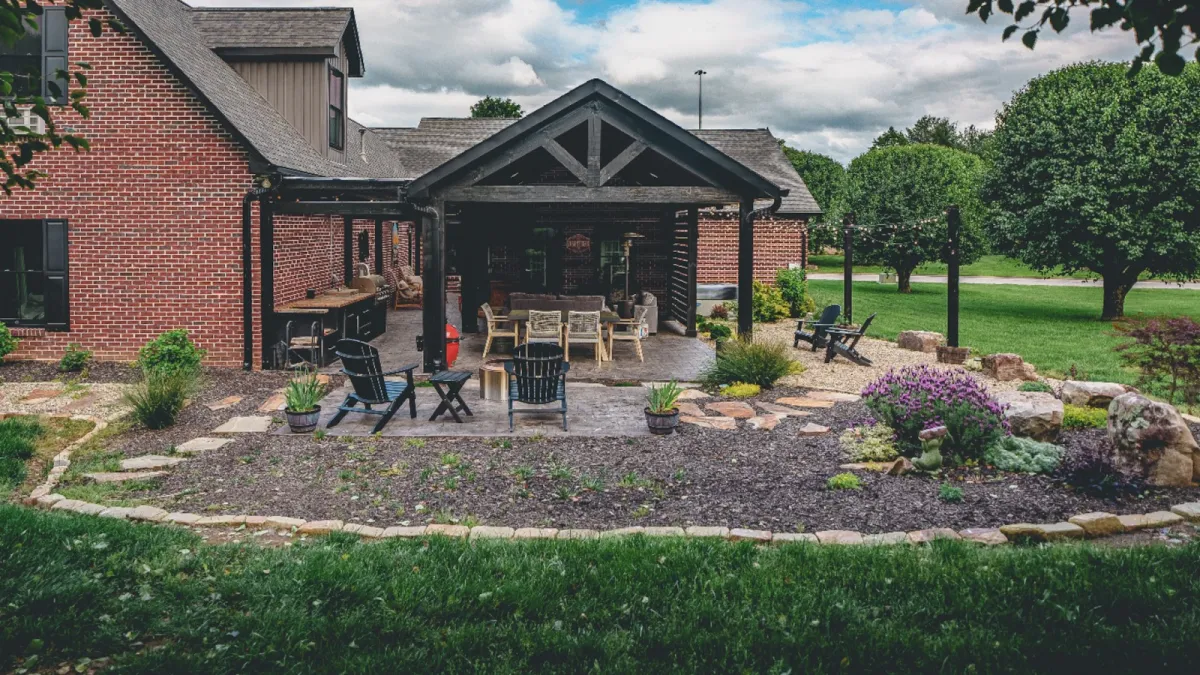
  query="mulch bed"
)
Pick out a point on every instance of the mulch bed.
point(748, 478)
point(46, 371)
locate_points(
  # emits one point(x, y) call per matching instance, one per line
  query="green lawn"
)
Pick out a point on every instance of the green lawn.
point(1053, 328)
point(156, 600)
point(986, 266)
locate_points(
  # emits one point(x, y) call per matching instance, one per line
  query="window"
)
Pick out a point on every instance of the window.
point(36, 59)
point(337, 107)
point(33, 273)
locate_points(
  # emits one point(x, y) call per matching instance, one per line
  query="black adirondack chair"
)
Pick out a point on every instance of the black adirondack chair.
point(537, 376)
point(360, 363)
point(844, 342)
point(817, 337)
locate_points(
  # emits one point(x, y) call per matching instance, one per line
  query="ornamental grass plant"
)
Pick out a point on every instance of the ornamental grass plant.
point(761, 363)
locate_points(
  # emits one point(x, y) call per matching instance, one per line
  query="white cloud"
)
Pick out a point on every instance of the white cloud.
point(826, 76)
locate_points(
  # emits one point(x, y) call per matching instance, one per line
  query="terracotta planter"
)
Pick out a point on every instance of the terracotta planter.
point(952, 355)
point(662, 424)
point(303, 422)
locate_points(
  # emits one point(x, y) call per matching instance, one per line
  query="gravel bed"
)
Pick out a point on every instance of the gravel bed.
point(769, 480)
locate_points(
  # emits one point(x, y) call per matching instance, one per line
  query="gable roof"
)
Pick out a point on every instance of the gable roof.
point(759, 150)
point(167, 28)
point(316, 31)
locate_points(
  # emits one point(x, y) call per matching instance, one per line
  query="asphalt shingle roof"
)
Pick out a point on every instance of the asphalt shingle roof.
point(226, 28)
point(759, 150)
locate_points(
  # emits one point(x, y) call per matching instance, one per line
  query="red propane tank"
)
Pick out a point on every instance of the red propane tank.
point(452, 340)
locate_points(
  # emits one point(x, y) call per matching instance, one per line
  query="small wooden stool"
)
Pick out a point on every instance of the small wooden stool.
point(453, 380)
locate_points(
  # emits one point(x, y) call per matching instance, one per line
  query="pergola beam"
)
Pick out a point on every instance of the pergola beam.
point(356, 209)
point(573, 194)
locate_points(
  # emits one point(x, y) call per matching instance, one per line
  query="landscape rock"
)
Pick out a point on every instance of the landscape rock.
point(782, 411)
point(489, 532)
point(834, 396)
point(622, 532)
point(920, 340)
point(1190, 419)
point(901, 466)
point(804, 402)
point(274, 403)
point(202, 445)
point(283, 522)
point(663, 532)
point(151, 514)
point(700, 531)
point(1005, 367)
point(988, 536)
point(221, 521)
point(926, 536)
point(1048, 532)
point(1151, 442)
point(227, 402)
point(182, 518)
point(725, 423)
point(793, 537)
point(1188, 511)
point(118, 477)
point(1092, 394)
point(840, 537)
point(881, 467)
point(149, 462)
point(734, 409)
point(321, 527)
point(742, 534)
point(811, 429)
point(245, 425)
point(365, 531)
point(1035, 415)
point(414, 531)
point(692, 394)
point(764, 422)
point(1098, 524)
point(578, 534)
point(886, 539)
point(690, 409)
point(1159, 519)
point(118, 512)
point(535, 533)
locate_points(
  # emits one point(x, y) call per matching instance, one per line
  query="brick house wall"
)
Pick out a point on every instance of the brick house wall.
point(778, 242)
point(154, 213)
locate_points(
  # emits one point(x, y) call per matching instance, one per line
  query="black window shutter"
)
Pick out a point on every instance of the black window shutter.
point(58, 306)
point(54, 54)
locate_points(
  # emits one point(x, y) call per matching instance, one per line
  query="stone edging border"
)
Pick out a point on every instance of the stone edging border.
point(1090, 525)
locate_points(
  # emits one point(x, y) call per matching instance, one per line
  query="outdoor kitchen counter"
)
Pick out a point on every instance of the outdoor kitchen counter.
point(323, 301)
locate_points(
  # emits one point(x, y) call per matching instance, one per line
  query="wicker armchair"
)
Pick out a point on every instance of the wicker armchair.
point(584, 328)
point(495, 329)
point(630, 330)
point(544, 327)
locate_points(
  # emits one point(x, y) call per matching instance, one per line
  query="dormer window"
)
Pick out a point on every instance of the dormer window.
point(337, 109)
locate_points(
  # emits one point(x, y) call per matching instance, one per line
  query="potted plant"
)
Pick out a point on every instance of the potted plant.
point(661, 414)
point(303, 394)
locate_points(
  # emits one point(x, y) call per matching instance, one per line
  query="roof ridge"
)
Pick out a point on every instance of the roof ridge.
point(267, 9)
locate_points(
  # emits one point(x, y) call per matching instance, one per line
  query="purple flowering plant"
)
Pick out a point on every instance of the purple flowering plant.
point(916, 398)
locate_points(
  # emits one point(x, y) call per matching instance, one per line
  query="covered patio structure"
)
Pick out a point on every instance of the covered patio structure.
point(547, 205)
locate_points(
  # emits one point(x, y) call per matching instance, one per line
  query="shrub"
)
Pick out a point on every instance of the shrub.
point(169, 353)
point(8, 342)
point(1166, 351)
point(1089, 468)
point(844, 481)
point(751, 362)
point(1040, 387)
point(869, 443)
point(1082, 417)
point(719, 332)
point(793, 285)
point(950, 494)
point(75, 359)
point(919, 397)
point(742, 390)
point(719, 312)
point(303, 393)
point(17, 436)
point(769, 305)
point(662, 399)
point(157, 399)
point(1024, 455)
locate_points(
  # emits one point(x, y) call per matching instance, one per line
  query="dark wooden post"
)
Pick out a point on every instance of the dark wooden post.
point(379, 246)
point(953, 256)
point(693, 223)
point(745, 269)
point(418, 265)
point(848, 267)
point(266, 244)
point(348, 249)
point(433, 275)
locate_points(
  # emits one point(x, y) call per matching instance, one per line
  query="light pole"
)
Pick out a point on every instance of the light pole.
point(700, 102)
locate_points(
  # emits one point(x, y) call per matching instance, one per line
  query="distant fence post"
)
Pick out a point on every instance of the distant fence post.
point(848, 266)
point(953, 255)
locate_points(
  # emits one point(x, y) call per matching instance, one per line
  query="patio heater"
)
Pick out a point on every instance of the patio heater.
point(626, 305)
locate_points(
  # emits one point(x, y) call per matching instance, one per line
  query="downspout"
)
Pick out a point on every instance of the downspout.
point(252, 195)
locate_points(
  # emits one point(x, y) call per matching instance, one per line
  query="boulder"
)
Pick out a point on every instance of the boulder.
point(919, 340)
point(1033, 415)
point(1151, 442)
point(1004, 367)
point(1092, 394)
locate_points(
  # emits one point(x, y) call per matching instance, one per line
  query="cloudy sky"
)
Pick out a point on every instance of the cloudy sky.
point(828, 76)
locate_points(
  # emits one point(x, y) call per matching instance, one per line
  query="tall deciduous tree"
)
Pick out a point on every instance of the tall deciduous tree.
point(1162, 27)
point(1096, 170)
point(19, 145)
point(826, 179)
point(899, 196)
point(491, 106)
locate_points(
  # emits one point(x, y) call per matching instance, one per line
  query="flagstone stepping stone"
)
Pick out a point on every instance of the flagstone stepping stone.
point(80, 403)
point(811, 429)
point(689, 394)
point(690, 409)
point(835, 396)
point(118, 477)
point(245, 425)
point(782, 411)
point(734, 409)
point(149, 462)
point(227, 402)
point(41, 395)
point(804, 402)
point(1188, 511)
point(724, 423)
point(273, 404)
point(202, 445)
point(764, 422)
